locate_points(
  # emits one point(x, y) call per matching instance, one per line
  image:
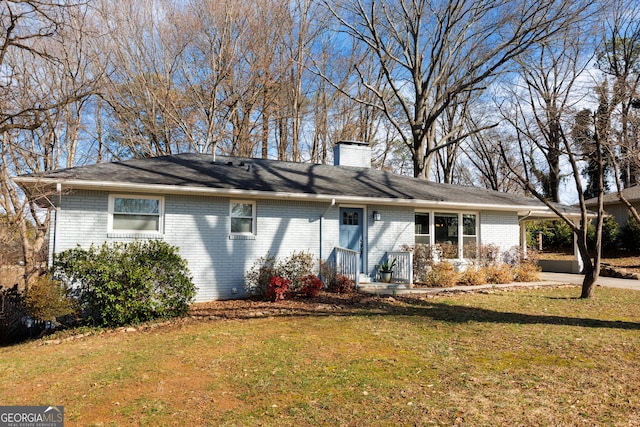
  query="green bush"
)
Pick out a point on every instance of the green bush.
point(125, 283)
point(630, 235)
point(556, 235)
point(610, 233)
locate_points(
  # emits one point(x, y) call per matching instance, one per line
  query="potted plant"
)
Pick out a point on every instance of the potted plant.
point(386, 270)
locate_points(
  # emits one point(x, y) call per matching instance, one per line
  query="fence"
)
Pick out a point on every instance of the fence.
point(348, 264)
point(403, 270)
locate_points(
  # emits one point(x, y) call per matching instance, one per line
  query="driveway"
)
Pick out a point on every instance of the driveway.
point(576, 279)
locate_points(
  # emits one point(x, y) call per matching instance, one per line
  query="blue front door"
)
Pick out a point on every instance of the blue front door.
point(351, 229)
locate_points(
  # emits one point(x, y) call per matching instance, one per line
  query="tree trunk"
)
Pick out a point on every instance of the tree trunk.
point(591, 271)
point(588, 284)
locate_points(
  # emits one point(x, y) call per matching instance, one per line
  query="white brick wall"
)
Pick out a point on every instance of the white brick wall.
point(395, 229)
point(499, 228)
point(199, 226)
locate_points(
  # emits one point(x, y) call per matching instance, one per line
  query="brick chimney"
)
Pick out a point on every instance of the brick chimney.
point(352, 153)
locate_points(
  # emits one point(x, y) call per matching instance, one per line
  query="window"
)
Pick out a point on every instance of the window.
point(136, 213)
point(243, 217)
point(423, 232)
point(469, 236)
point(446, 233)
point(455, 233)
point(350, 218)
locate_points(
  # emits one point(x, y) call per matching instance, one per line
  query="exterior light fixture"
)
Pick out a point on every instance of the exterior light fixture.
point(376, 216)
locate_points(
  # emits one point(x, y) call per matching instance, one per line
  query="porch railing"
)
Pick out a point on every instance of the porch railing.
point(348, 264)
point(403, 271)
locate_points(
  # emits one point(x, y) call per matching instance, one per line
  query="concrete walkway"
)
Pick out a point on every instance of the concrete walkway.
point(545, 279)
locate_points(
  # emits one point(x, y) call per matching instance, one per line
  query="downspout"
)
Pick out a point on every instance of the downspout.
point(57, 210)
point(333, 202)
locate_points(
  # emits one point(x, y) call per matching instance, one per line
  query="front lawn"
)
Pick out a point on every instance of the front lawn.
point(525, 357)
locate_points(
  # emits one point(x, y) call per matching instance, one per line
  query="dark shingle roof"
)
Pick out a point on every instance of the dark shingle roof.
point(196, 171)
point(632, 194)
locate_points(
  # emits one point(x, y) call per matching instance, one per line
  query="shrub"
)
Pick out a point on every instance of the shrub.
point(278, 288)
point(499, 273)
point(295, 267)
point(630, 235)
point(258, 277)
point(342, 285)
point(124, 283)
point(610, 233)
point(448, 250)
point(423, 258)
point(556, 234)
point(47, 299)
point(488, 255)
point(527, 272)
point(442, 274)
point(312, 285)
point(473, 276)
point(12, 311)
point(327, 272)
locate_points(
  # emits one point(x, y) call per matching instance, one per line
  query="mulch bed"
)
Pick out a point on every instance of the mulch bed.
point(326, 302)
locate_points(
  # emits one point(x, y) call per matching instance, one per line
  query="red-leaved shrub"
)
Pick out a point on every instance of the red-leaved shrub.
point(278, 288)
point(311, 286)
point(342, 285)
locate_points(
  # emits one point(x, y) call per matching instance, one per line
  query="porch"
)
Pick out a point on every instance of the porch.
point(347, 263)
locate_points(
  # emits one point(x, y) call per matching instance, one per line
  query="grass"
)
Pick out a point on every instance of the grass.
point(526, 357)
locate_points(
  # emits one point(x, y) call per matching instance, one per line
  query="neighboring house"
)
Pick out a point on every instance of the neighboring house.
point(225, 213)
point(614, 207)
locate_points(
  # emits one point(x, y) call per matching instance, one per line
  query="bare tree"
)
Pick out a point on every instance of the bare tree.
point(44, 92)
point(540, 104)
point(619, 58)
point(485, 164)
point(143, 48)
point(434, 53)
point(591, 133)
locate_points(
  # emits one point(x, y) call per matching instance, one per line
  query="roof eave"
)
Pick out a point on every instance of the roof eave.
point(69, 184)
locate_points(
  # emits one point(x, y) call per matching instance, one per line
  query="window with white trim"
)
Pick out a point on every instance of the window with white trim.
point(446, 233)
point(140, 214)
point(455, 233)
point(469, 235)
point(423, 229)
point(243, 217)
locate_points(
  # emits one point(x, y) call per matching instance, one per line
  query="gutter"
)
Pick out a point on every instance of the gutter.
point(271, 195)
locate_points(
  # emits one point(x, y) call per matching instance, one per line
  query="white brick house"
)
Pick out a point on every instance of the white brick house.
point(225, 213)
